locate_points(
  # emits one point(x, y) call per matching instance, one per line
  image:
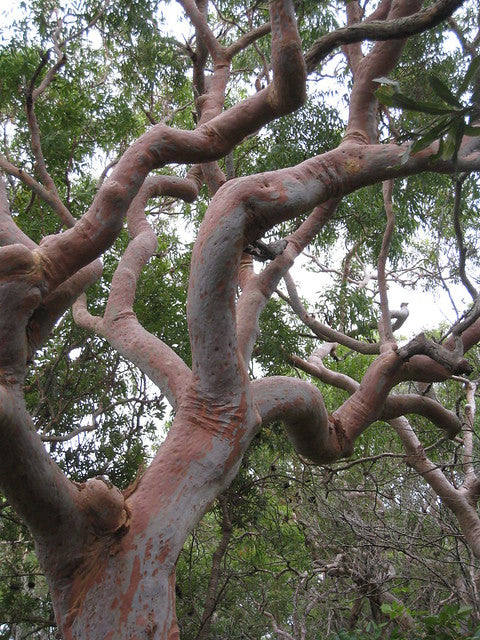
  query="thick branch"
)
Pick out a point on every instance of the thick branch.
point(391, 30)
point(216, 256)
point(399, 405)
point(101, 224)
point(451, 360)
point(300, 406)
point(120, 325)
point(259, 288)
point(363, 107)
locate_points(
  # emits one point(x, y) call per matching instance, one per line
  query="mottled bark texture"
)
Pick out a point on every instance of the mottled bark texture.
point(110, 558)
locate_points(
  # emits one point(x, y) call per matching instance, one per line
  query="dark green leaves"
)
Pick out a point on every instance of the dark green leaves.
point(452, 117)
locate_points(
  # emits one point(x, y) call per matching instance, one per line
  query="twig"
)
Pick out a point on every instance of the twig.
point(459, 236)
point(385, 325)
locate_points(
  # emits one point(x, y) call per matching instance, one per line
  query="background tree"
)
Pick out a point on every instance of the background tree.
point(102, 123)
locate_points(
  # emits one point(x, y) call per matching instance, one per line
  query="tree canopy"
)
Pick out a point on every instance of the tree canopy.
point(239, 318)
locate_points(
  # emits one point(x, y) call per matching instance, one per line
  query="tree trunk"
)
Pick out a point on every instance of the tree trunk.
point(124, 586)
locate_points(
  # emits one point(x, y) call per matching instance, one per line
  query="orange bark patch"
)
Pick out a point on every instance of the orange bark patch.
point(135, 577)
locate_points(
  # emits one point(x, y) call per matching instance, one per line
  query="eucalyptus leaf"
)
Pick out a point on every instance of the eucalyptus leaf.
point(431, 135)
point(390, 97)
point(472, 69)
point(443, 92)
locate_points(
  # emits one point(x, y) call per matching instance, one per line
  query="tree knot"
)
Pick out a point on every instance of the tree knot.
point(104, 505)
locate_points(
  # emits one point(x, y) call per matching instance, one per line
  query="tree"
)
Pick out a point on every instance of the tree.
point(110, 556)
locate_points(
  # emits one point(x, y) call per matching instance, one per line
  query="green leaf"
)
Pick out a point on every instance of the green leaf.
point(453, 140)
point(472, 131)
point(473, 67)
point(431, 135)
point(443, 91)
point(390, 97)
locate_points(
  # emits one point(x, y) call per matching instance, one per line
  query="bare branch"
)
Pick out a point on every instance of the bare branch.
point(402, 404)
point(459, 236)
point(119, 324)
point(453, 361)
point(389, 30)
point(318, 370)
point(385, 325)
point(300, 406)
point(323, 331)
point(9, 232)
point(247, 39)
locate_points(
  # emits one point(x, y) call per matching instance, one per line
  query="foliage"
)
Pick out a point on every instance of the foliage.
point(306, 545)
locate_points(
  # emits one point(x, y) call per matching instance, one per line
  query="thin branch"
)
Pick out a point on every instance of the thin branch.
point(385, 325)
point(321, 330)
point(247, 39)
point(46, 195)
point(10, 233)
point(459, 236)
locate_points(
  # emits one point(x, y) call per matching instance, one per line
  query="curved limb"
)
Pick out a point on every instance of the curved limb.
point(394, 406)
point(257, 290)
point(241, 212)
point(399, 405)
point(56, 303)
point(323, 331)
point(300, 406)
point(362, 121)
point(120, 325)
point(384, 30)
point(97, 229)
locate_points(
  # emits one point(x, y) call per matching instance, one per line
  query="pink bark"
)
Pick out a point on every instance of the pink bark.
point(110, 558)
